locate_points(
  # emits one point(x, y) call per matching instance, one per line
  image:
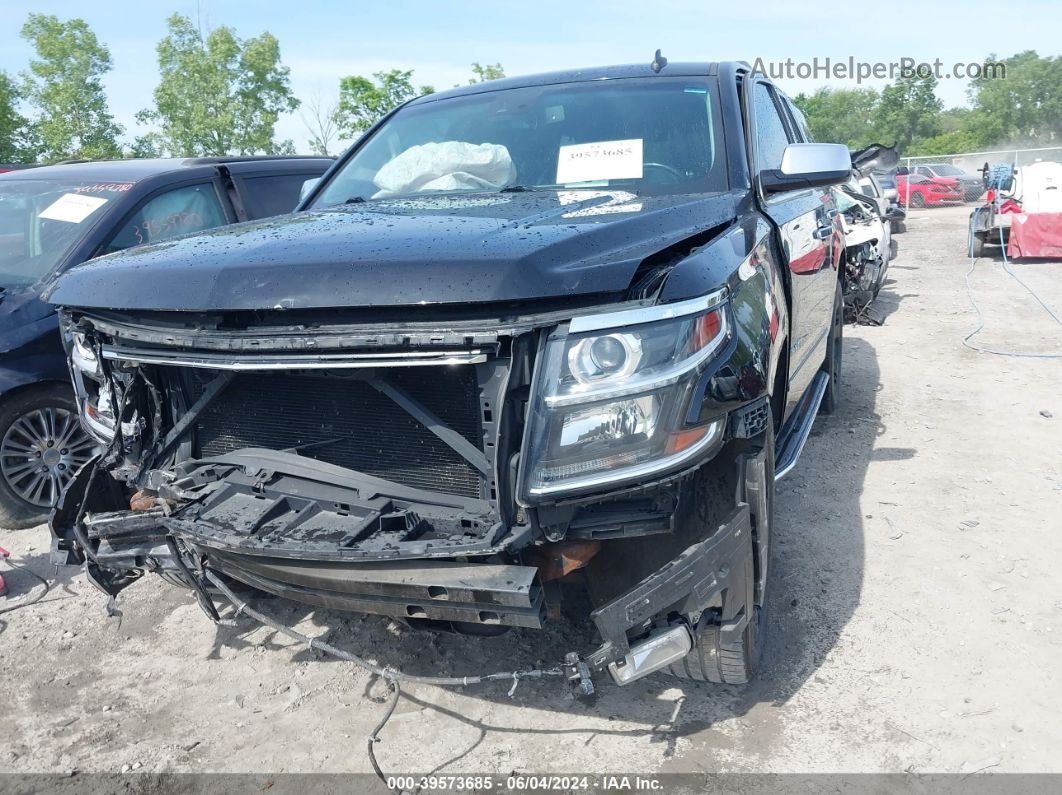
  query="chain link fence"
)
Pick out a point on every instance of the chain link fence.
point(973, 162)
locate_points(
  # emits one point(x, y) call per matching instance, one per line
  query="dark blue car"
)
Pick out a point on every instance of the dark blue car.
point(54, 217)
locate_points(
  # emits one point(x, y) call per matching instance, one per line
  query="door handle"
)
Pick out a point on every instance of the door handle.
point(822, 232)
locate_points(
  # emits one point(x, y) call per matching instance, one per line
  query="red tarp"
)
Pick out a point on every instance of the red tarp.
point(1035, 235)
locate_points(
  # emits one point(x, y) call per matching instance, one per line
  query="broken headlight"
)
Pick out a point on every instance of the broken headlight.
point(94, 394)
point(612, 394)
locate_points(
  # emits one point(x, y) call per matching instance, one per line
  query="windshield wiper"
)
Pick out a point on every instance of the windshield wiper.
point(355, 200)
point(515, 189)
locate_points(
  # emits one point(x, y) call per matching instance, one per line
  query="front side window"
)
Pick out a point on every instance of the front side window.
point(182, 211)
point(652, 135)
point(801, 122)
point(43, 220)
point(771, 136)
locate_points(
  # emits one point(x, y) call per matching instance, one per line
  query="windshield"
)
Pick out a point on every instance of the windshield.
point(948, 171)
point(42, 220)
point(656, 135)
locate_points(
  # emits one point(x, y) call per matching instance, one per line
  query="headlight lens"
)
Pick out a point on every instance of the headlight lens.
point(609, 404)
point(93, 393)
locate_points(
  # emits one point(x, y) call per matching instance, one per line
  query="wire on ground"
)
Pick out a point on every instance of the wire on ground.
point(36, 597)
point(388, 674)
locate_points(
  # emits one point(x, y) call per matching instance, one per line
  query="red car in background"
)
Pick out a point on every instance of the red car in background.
point(916, 190)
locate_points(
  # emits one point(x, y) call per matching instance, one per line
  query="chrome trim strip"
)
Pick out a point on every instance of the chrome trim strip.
point(792, 452)
point(315, 362)
point(646, 314)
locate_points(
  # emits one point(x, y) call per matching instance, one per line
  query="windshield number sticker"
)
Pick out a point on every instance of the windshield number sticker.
point(106, 187)
point(602, 160)
point(72, 208)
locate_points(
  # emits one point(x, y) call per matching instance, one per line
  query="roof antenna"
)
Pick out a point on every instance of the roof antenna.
point(659, 62)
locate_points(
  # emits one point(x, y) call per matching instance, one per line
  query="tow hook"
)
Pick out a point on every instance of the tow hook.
point(577, 674)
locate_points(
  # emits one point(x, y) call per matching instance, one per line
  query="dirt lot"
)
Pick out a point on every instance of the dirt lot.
point(916, 619)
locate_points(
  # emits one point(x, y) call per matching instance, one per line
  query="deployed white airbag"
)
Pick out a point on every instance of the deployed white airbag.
point(449, 165)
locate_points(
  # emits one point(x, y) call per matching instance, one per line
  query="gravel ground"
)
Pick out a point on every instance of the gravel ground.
point(915, 624)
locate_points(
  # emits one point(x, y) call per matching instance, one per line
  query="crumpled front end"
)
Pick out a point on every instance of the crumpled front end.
point(448, 479)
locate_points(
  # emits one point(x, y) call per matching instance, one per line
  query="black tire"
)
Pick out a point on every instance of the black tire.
point(917, 200)
point(898, 227)
point(712, 658)
point(21, 505)
point(834, 357)
point(978, 247)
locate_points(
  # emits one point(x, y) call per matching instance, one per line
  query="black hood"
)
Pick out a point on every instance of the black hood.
point(455, 248)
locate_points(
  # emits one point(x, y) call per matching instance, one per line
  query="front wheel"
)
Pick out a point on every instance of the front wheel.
point(735, 662)
point(918, 200)
point(42, 445)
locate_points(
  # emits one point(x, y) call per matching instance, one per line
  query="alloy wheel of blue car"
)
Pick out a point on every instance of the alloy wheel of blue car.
point(40, 453)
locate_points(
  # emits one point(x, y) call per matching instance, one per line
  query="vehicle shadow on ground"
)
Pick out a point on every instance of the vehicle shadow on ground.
point(817, 581)
point(887, 301)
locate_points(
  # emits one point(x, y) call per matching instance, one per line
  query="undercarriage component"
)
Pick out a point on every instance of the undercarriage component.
point(658, 651)
point(474, 593)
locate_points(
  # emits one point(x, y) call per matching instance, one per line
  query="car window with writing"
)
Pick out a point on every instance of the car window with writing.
point(182, 211)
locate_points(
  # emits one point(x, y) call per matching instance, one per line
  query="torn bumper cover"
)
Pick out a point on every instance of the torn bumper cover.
point(293, 547)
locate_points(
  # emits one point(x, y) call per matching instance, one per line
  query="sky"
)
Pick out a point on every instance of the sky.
point(323, 40)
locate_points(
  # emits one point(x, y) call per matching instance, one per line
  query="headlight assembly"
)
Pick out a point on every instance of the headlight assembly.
point(94, 394)
point(612, 393)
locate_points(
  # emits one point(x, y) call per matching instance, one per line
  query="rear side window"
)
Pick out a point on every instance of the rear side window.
point(182, 211)
point(771, 136)
point(273, 195)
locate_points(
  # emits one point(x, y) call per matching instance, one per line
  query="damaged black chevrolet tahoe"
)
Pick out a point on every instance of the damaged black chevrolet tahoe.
point(566, 329)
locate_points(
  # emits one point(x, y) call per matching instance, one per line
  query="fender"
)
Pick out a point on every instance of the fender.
point(742, 259)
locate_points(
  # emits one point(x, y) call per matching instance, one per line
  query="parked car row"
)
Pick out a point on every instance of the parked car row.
point(55, 217)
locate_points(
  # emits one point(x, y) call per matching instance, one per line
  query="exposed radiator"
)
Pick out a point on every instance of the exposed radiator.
point(345, 421)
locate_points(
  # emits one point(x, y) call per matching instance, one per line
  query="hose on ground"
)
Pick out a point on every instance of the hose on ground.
point(980, 317)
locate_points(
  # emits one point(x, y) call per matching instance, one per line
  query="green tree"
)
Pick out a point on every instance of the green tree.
point(1026, 106)
point(363, 102)
point(841, 115)
point(945, 144)
point(219, 95)
point(65, 86)
point(481, 74)
point(13, 127)
point(908, 110)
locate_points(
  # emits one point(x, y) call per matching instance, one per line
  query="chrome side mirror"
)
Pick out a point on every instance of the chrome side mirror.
point(808, 166)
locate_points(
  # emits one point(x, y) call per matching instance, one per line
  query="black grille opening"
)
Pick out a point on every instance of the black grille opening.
point(347, 422)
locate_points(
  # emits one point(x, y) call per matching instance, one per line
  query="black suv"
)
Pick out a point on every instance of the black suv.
point(56, 216)
point(564, 329)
